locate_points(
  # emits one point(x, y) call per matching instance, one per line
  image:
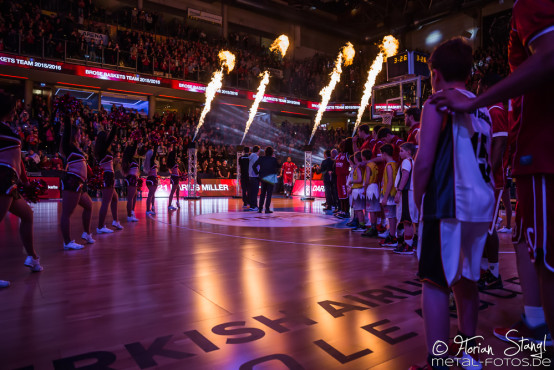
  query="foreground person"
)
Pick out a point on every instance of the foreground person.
point(456, 210)
point(11, 173)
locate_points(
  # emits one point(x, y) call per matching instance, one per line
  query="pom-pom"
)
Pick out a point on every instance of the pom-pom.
point(33, 190)
point(96, 181)
point(184, 177)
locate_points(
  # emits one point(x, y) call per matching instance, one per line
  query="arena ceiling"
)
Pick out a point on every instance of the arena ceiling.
point(359, 19)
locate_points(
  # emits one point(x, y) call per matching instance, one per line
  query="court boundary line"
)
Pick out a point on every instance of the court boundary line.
point(383, 249)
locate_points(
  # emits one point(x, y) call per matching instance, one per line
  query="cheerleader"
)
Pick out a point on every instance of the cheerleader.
point(109, 196)
point(73, 182)
point(131, 170)
point(151, 168)
point(12, 171)
point(172, 163)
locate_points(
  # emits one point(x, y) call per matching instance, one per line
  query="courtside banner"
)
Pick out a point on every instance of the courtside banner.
point(54, 187)
point(207, 188)
point(318, 190)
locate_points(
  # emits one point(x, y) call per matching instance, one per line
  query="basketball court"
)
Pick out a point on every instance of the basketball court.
point(210, 286)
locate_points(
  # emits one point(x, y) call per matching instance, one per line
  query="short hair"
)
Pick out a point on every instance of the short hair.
point(327, 153)
point(490, 79)
point(387, 149)
point(414, 112)
point(377, 128)
point(268, 151)
point(334, 152)
point(409, 147)
point(383, 132)
point(246, 149)
point(453, 59)
point(365, 128)
point(255, 149)
point(366, 153)
point(358, 156)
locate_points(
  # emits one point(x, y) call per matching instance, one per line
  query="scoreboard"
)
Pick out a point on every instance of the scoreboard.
point(407, 63)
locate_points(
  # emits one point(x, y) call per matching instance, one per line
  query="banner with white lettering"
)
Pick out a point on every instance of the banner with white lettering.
point(205, 16)
point(93, 36)
point(318, 190)
point(208, 188)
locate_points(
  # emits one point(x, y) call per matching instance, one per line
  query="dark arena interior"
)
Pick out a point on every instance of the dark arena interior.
point(276, 184)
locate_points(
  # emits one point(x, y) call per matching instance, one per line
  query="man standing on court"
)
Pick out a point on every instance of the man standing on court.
point(244, 164)
point(253, 180)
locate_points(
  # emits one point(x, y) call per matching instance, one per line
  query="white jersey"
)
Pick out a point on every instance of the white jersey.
point(461, 185)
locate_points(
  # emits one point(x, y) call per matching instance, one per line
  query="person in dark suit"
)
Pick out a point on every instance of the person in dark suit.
point(267, 168)
point(334, 191)
point(243, 164)
point(326, 170)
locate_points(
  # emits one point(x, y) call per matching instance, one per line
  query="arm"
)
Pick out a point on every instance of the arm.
point(537, 70)
point(401, 185)
point(429, 135)
point(256, 166)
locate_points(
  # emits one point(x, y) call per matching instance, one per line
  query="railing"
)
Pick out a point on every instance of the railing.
point(98, 55)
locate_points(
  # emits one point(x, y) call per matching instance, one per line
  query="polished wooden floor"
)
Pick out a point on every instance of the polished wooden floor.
point(186, 291)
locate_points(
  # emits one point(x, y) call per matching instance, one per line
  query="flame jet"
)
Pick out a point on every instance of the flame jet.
point(388, 47)
point(281, 44)
point(347, 54)
point(227, 61)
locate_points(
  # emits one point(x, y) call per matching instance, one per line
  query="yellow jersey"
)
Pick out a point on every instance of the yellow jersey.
point(355, 178)
point(386, 180)
point(374, 172)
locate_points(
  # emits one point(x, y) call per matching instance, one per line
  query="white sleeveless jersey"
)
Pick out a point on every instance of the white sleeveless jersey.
point(461, 185)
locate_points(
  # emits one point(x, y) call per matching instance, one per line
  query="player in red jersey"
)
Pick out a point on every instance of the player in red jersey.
point(411, 119)
point(342, 170)
point(287, 171)
point(364, 133)
point(491, 279)
point(532, 41)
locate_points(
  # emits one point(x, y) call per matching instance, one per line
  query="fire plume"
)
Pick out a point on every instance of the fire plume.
point(388, 47)
point(227, 61)
point(345, 57)
point(259, 97)
point(281, 44)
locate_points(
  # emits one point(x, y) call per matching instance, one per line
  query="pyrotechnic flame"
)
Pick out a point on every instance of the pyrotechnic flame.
point(227, 60)
point(259, 97)
point(388, 47)
point(281, 43)
point(347, 53)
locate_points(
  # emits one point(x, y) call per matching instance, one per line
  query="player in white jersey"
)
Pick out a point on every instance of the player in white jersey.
point(454, 189)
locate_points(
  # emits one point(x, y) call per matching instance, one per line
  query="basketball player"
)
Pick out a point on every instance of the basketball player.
point(72, 186)
point(342, 169)
point(531, 56)
point(405, 199)
point(12, 172)
point(104, 157)
point(491, 278)
point(456, 210)
point(411, 120)
point(287, 172)
point(364, 133)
